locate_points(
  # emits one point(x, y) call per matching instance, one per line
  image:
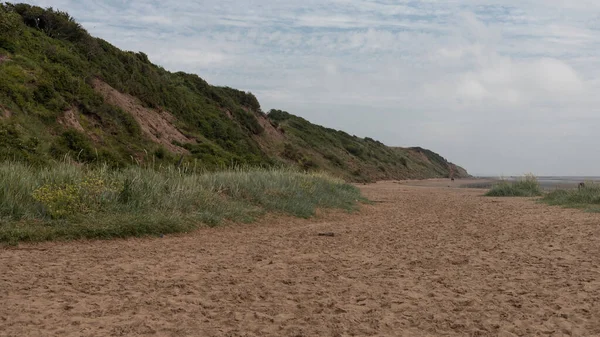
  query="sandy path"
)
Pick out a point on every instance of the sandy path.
point(422, 261)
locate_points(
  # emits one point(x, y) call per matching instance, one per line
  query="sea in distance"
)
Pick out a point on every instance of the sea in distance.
point(546, 182)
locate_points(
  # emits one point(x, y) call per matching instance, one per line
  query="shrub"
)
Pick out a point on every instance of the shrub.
point(44, 92)
point(307, 163)
point(354, 149)
point(160, 153)
point(55, 24)
point(586, 197)
point(248, 121)
point(88, 195)
point(75, 144)
point(9, 27)
point(335, 160)
point(278, 115)
point(15, 146)
point(526, 187)
point(291, 152)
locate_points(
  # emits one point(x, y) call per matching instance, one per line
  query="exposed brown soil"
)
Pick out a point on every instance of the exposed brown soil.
point(156, 125)
point(270, 131)
point(4, 112)
point(70, 120)
point(271, 140)
point(420, 155)
point(227, 113)
point(420, 261)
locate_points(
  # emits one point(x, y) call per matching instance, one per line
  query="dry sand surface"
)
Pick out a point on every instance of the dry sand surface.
point(421, 261)
point(445, 182)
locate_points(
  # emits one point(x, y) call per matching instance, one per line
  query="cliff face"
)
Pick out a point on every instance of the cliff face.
point(64, 92)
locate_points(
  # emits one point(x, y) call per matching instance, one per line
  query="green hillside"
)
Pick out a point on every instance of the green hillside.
point(64, 92)
point(355, 158)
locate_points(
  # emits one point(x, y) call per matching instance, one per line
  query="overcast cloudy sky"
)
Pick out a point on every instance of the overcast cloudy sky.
point(500, 87)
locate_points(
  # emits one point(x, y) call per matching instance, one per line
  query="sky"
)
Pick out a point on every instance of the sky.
point(501, 87)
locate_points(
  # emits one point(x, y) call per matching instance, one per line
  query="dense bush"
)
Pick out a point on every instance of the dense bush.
point(291, 152)
point(354, 149)
point(334, 159)
point(248, 121)
point(15, 146)
point(55, 24)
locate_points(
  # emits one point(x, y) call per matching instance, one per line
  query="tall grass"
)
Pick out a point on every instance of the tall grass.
point(65, 201)
point(587, 197)
point(524, 187)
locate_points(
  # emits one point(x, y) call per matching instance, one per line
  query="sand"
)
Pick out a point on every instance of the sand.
point(420, 261)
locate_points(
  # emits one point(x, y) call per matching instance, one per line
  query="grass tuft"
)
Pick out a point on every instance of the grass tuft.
point(526, 187)
point(587, 198)
point(64, 201)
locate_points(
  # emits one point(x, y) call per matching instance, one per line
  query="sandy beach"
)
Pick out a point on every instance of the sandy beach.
point(424, 259)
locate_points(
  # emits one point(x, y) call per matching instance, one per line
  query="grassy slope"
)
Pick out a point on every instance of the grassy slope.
point(355, 158)
point(50, 66)
point(48, 72)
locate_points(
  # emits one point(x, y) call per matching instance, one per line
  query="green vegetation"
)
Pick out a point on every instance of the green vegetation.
point(66, 201)
point(526, 187)
point(79, 159)
point(49, 64)
point(587, 197)
point(52, 105)
point(355, 158)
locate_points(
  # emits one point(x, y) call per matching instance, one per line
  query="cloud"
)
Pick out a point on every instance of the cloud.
point(502, 87)
point(155, 19)
point(505, 82)
point(196, 58)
